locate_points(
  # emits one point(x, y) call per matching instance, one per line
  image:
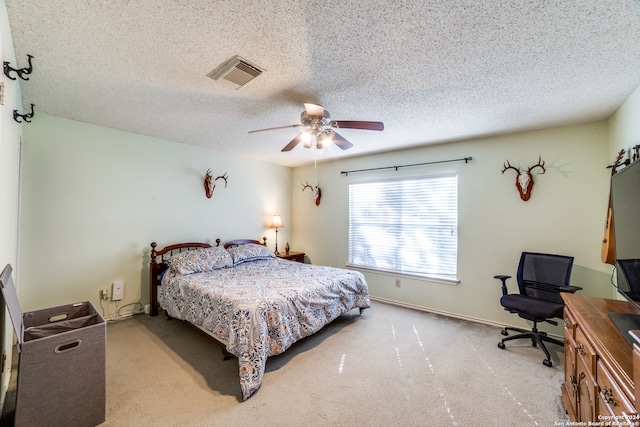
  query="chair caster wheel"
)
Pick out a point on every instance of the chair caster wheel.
point(501, 345)
point(547, 362)
point(504, 332)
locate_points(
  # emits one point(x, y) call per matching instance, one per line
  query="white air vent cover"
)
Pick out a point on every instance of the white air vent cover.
point(237, 70)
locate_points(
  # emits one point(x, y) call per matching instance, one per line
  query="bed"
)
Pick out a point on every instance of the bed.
point(254, 304)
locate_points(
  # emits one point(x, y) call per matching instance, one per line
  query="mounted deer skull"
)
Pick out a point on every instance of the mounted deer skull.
point(317, 192)
point(210, 182)
point(524, 179)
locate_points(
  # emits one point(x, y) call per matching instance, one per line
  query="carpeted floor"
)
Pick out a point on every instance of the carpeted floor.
point(388, 366)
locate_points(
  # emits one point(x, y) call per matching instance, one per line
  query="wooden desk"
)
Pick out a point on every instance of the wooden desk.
point(599, 362)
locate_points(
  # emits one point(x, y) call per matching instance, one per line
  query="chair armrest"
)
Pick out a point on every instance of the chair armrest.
point(570, 289)
point(503, 279)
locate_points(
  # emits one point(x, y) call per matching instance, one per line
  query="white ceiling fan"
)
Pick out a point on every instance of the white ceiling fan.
point(320, 132)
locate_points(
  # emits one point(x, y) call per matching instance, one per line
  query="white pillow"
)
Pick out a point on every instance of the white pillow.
point(204, 259)
point(249, 252)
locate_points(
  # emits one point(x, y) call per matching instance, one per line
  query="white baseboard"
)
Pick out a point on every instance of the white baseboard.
point(116, 317)
point(449, 314)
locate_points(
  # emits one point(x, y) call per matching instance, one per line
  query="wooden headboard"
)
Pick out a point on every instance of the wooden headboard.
point(244, 242)
point(158, 264)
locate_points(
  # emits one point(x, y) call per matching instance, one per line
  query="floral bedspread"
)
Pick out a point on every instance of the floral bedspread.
point(260, 308)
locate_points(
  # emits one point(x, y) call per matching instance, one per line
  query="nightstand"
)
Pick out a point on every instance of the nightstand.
point(293, 256)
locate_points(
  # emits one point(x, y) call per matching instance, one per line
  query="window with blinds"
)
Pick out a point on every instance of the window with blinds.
point(405, 226)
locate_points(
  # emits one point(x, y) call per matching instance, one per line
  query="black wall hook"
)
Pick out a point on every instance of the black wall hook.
point(25, 117)
point(21, 73)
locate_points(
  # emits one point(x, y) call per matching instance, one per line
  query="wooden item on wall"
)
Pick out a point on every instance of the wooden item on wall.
point(210, 182)
point(608, 242)
point(524, 178)
point(317, 192)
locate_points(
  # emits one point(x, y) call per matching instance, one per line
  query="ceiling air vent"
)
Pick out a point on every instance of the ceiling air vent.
point(237, 70)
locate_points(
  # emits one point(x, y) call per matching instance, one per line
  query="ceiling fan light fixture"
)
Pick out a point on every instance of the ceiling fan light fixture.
point(323, 140)
point(307, 138)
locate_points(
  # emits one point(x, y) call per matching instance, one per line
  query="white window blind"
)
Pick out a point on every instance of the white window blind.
point(407, 226)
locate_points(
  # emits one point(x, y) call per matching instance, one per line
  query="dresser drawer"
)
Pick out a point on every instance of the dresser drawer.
point(612, 398)
point(586, 351)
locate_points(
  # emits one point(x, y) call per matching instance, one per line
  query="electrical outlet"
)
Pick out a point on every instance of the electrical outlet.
point(397, 283)
point(104, 294)
point(118, 291)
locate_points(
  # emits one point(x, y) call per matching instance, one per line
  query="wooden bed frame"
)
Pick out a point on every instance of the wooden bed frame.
point(158, 264)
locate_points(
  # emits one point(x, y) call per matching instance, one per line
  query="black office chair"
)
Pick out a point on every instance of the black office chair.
point(541, 278)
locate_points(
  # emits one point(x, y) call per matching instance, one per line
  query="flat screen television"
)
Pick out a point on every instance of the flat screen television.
point(625, 197)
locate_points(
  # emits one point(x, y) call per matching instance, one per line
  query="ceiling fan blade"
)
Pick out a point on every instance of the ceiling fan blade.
point(295, 141)
point(339, 140)
point(354, 124)
point(277, 127)
point(314, 110)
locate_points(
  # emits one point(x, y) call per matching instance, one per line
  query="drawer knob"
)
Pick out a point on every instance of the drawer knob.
point(608, 396)
point(574, 384)
point(581, 349)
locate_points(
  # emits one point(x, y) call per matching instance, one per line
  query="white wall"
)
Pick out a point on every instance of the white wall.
point(93, 200)
point(625, 126)
point(9, 183)
point(565, 214)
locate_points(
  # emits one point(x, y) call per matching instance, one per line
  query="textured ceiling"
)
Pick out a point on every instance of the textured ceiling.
point(432, 71)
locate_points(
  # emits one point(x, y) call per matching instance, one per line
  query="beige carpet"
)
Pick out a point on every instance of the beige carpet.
point(388, 366)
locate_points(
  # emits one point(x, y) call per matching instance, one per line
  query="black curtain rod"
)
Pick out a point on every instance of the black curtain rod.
point(465, 159)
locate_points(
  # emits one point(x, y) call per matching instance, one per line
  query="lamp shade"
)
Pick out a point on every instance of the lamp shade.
point(276, 222)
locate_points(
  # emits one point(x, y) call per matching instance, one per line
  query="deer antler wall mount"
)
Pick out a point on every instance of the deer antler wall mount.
point(210, 182)
point(317, 192)
point(524, 178)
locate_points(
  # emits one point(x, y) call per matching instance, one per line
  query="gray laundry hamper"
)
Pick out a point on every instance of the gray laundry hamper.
point(61, 367)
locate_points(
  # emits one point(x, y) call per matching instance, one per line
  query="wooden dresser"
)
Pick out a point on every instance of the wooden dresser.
point(599, 362)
